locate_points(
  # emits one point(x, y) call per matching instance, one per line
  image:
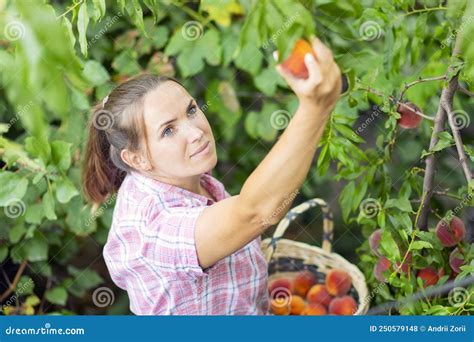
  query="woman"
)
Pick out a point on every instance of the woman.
point(179, 243)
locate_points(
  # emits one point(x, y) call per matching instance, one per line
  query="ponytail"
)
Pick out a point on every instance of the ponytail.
point(100, 176)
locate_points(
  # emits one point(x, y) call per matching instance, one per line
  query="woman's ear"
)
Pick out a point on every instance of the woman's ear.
point(135, 160)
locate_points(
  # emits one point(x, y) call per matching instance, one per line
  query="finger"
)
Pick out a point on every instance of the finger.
point(287, 76)
point(323, 54)
point(275, 55)
point(314, 69)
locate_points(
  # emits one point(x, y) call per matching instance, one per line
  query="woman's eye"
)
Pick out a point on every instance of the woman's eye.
point(192, 110)
point(165, 132)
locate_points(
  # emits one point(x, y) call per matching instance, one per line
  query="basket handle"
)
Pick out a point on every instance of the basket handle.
point(328, 225)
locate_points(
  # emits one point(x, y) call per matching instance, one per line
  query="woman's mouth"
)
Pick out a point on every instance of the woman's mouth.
point(202, 151)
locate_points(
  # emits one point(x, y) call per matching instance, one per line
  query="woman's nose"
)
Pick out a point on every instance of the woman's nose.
point(194, 133)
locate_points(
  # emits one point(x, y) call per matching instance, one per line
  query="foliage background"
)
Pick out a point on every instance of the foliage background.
point(58, 58)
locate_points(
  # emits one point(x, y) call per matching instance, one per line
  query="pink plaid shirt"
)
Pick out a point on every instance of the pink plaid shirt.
point(150, 253)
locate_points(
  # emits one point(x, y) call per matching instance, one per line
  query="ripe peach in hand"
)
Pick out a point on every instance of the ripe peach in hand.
point(456, 260)
point(278, 287)
point(338, 282)
point(295, 63)
point(280, 306)
point(452, 233)
point(297, 305)
point(314, 309)
point(345, 305)
point(374, 242)
point(303, 282)
point(409, 119)
point(380, 267)
point(319, 294)
point(429, 276)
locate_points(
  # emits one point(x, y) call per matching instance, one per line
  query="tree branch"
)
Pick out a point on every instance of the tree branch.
point(421, 80)
point(465, 91)
point(14, 282)
point(375, 92)
point(448, 106)
point(446, 96)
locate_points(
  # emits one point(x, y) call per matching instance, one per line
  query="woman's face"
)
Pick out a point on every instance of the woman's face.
point(176, 130)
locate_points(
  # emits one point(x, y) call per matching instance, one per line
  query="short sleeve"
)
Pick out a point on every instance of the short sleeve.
point(170, 241)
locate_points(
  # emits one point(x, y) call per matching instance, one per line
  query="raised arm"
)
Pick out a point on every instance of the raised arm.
point(228, 225)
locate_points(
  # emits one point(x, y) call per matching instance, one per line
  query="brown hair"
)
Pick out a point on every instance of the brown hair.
point(117, 123)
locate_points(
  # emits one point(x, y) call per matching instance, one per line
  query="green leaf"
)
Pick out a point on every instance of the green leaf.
point(250, 124)
point(125, 63)
point(61, 154)
point(84, 279)
point(57, 295)
point(48, 205)
point(389, 246)
point(402, 204)
point(82, 23)
point(37, 149)
point(65, 190)
point(99, 9)
point(95, 73)
point(348, 133)
point(13, 188)
point(16, 233)
point(135, 11)
point(160, 37)
point(24, 286)
point(345, 199)
point(268, 80)
point(420, 245)
point(445, 140)
point(36, 248)
point(34, 213)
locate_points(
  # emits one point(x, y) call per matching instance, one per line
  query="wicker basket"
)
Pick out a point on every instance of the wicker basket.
point(286, 257)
